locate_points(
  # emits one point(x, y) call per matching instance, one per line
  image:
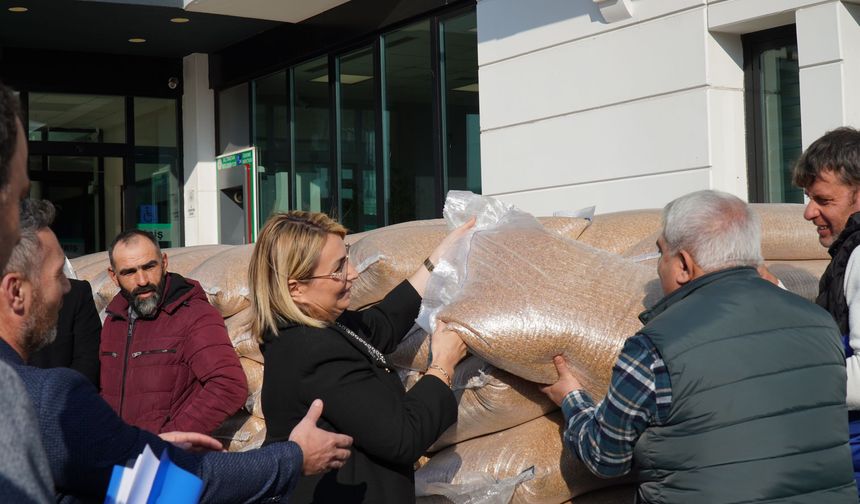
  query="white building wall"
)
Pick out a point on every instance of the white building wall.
point(578, 109)
point(198, 144)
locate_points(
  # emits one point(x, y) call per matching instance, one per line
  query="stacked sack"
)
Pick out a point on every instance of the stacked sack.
point(573, 286)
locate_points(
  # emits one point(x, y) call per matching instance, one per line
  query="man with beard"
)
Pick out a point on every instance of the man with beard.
point(84, 438)
point(24, 473)
point(166, 361)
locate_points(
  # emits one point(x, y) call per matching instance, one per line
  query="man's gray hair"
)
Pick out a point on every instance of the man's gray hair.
point(35, 215)
point(718, 229)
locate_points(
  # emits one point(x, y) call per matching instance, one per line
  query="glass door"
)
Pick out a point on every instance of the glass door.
point(86, 191)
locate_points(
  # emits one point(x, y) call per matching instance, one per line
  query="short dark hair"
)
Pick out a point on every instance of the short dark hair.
point(36, 214)
point(9, 113)
point(129, 235)
point(837, 151)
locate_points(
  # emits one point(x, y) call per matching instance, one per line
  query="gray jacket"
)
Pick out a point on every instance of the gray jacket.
point(24, 473)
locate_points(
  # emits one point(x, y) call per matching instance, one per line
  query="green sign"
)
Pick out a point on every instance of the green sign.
point(161, 232)
point(238, 158)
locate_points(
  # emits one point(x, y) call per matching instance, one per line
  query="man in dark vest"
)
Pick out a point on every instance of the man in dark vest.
point(829, 173)
point(734, 389)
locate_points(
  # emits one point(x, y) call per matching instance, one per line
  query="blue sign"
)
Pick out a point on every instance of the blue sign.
point(148, 214)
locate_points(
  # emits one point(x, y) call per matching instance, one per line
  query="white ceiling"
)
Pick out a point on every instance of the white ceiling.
point(288, 11)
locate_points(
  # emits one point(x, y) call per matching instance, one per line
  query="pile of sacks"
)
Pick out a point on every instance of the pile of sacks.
point(565, 285)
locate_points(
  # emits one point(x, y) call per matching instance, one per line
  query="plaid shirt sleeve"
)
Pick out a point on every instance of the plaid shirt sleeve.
point(640, 395)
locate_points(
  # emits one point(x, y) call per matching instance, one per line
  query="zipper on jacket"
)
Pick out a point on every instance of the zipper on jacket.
point(110, 354)
point(131, 323)
point(135, 355)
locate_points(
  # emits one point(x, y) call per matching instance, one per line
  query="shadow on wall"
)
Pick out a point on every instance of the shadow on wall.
point(533, 14)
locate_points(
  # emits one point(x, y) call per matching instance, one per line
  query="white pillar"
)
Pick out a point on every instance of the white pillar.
point(828, 36)
point(726, 139)
point(198, 134)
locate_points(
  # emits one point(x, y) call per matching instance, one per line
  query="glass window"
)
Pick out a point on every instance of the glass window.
point(460, 121)
point(155, 122)
point(76, 118)
point(773, 96)
point(357, 140)
point(272, 137)
point(157, 196)
point(311, 136)
point(233, 128)
point(408, 124)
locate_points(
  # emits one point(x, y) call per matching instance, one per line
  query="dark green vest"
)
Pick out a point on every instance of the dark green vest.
point(758, 398)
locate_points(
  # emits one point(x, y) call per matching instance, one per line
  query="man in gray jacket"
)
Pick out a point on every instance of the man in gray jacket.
point(734, 389)
point(24, 474)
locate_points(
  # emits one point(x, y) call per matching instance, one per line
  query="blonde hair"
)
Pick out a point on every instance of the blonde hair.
point(288, 247)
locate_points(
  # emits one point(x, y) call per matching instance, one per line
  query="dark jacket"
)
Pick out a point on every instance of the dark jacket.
point(831, 287)
point(176, 371)
point(758, 398)
point(390, 427)
point(78, 330)
point(84, 439)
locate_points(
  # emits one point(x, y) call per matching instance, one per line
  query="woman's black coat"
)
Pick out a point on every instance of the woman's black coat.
point(391, 428)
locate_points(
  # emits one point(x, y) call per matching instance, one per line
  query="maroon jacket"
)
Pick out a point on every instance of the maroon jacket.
point(174, 372)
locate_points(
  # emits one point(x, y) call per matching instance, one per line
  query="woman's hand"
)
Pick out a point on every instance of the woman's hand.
point(450, 239)
point(421, 275)
point(447, 349)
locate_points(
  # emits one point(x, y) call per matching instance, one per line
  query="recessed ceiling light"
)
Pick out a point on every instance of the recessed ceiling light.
point(18, 9)
point(137, 40)
point(179, 20)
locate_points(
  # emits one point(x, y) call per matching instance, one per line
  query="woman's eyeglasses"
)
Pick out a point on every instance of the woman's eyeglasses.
point(340, 273)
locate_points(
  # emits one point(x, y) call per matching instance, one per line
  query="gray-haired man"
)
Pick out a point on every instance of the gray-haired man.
point(733, 391)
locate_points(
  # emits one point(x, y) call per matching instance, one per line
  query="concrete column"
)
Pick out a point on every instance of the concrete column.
point(726, 139)
point(198, 133)
point(828, 36)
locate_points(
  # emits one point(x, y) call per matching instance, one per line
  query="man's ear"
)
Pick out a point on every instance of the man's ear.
point(686, 267)
point(15, 292)
point(164, 261)
point(112, 275)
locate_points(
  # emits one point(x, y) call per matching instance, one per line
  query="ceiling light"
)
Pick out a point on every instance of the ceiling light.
point(179, 20)
point(345, 78)
point(137, 40)
point(468, 87)
point(18, 9)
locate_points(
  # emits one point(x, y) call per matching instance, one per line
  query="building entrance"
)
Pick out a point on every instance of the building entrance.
point(108, 163)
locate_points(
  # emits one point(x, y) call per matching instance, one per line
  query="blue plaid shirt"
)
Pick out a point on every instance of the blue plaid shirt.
point(639, 396)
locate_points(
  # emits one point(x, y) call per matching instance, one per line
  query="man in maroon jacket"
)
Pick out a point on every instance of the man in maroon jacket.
point(167, 363)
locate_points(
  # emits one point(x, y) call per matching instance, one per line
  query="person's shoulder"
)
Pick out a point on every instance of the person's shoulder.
point(53, 382)
point(302, 342)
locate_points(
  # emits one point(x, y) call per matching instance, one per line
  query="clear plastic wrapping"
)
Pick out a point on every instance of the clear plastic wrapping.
point(558, 474)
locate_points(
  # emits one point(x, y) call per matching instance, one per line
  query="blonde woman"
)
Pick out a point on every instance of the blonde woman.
point(300, 278)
